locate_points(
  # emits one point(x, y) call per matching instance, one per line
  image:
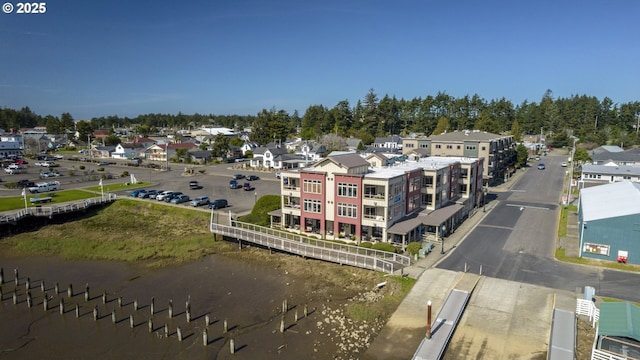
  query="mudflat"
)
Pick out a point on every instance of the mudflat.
point(247, 291)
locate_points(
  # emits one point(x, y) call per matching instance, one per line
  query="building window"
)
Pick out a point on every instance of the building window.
point(409, 145)
point(458, 147)
point(314, 206)
point(449, 147)
point(312, 186)
point(348, 190)
point(484, 148)
point(471, 147)
point(414, 184)
point(347, 210)
point(438, 146)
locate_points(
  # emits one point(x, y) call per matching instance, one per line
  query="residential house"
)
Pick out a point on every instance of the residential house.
point(163, 152)
point(354, 144)
point(101, 152)
point(248, 146)
point(388, 142)
point(312, 151)
point(265, 157)
point(128, 151)
point(611, 155)
point(605, 174)
point(199, 156)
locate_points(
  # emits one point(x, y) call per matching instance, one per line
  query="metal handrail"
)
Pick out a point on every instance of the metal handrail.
point(14, 216)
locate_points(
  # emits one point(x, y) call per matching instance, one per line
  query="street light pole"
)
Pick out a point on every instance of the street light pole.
point(442, 230)
point(484, 200)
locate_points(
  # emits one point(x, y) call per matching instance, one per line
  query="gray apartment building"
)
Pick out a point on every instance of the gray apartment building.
point(498, 151)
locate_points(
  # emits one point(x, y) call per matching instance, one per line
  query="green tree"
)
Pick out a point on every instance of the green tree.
point(53, 125)
point(84, 130)
point(522, 155)
point(515, 131)
point(66, 122)
point(486, 123)
point(442, 127)
point(112, 140)
point(581, 156)
point(220, 146)
point(236, 142)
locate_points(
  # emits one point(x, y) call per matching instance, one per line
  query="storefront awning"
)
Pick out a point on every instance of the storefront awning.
point(430, 218)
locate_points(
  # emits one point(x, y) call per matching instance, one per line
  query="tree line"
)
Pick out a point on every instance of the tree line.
point(586, 117)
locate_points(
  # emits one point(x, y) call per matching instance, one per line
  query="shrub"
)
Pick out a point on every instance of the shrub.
point(414, 247)
point(366, 244)
point(382, 246)
point(260, 213)
point(100, 169)
point(82, 167)
point(124, 173)
point(202, 171)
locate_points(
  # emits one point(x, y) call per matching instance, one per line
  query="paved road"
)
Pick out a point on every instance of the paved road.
point(516, 240)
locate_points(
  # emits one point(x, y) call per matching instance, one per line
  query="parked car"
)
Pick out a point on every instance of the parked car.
point(180, 199)
point(170, 197)
point(193, 185)
point(200, 200)
point(161, 195)
point(25, 183)
point(135, 193)
point(218, 204)
point(278, 175)
point(563, 164)
point(48, 164)
point(103, 163)
point(234, 184)
point(540, 166)
point(148, 194)
point(253, 177)
point(238, 176)
point(247, 187)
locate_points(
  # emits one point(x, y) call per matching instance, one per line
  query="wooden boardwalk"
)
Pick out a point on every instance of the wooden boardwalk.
point(12, 217)
point(312, 247)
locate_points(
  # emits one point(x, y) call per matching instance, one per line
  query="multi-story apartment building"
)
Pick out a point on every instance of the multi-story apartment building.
point(350, 198)
point(499, 151)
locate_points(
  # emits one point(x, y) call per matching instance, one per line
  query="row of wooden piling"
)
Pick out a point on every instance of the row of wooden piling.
point(62, 306)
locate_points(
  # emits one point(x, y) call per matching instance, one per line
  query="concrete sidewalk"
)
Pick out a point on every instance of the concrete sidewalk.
point(503, 320)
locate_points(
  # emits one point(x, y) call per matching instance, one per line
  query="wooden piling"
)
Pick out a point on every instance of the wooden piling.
point(232, 346)
point(166, 330)
point(150, 325)
point(153, 300)
point(15, 275)
point(45, 302)
point(188, 315)
point(95, 313)
point(119, 301)
point(131, 323)
point(207, 320)
point(104, 297)
point(170, 309)
point(114, 319)
point(42, 287)
point(70, 291)
point(27, 284)
point(61, 306)
point(57, 289)
point(179, 333)
point(77, 311)
point(15, 297)
point(282, 324)
point(295, 316)
point(306, 312)
point(225, 327)
point(135, 304)
point(1, 276)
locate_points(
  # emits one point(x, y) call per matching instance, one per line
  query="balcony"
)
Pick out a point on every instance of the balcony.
point(292, 206)
point(374, 196)
point(373, 217)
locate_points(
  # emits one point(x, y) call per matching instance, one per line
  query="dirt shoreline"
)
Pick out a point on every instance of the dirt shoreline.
point(247, 289)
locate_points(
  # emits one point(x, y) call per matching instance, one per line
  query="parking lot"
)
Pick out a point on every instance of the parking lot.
point(214, 180)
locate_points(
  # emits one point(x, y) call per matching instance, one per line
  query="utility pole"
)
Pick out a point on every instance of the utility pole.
point(573, 155)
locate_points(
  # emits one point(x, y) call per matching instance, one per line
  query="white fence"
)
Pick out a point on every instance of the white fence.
point(588, 308)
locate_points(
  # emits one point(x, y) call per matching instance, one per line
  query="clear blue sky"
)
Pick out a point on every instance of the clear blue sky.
point(100, 58)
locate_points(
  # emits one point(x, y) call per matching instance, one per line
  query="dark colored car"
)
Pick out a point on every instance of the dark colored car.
point(247, 187)
point(218, 204)
point(234, 184)
point(253, 177)
point(149, 194)
point(238, 176)
point(26, 183)
point(170, 197)
point(193, 185)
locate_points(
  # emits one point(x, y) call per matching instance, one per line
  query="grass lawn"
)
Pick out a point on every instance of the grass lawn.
point(17, 202)
point(127, 230)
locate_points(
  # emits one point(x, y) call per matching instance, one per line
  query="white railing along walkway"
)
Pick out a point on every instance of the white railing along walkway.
point(312, 247)
point(53, 209)
point(588, 308)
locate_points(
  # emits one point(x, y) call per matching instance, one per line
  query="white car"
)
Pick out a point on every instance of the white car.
point(163, 194)
point(564, 164)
